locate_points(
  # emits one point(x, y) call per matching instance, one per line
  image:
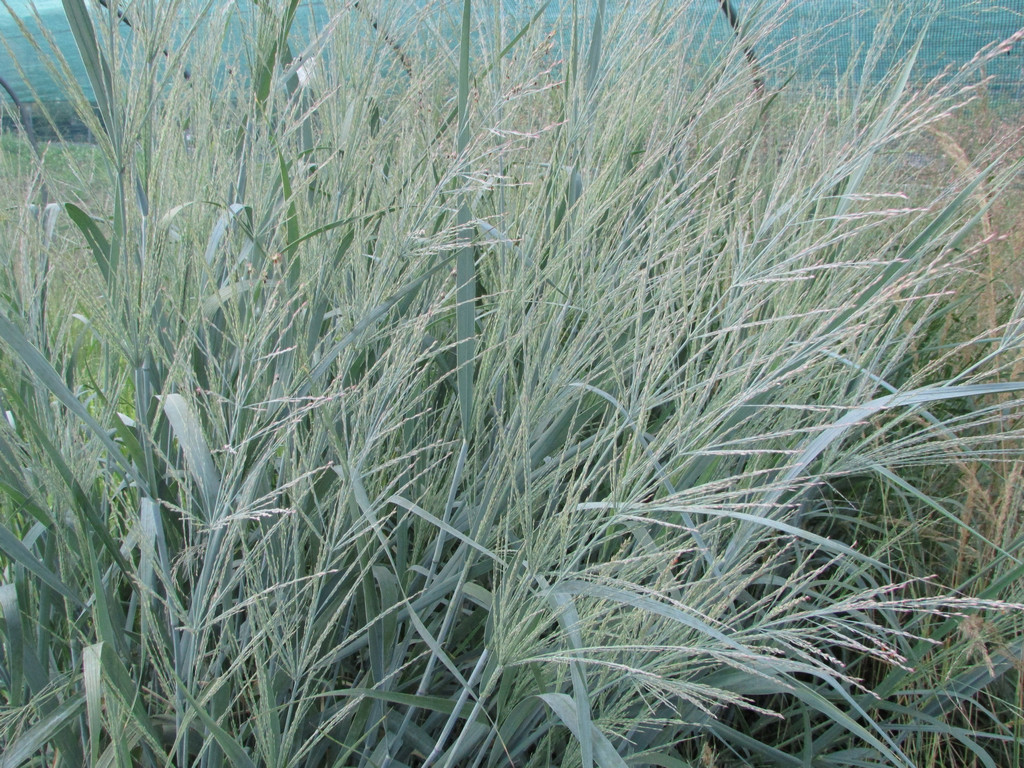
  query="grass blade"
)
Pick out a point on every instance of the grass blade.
point(32, 359)
point(465, 260)
point(12, 547)
point(197, 453)
point(41, 733)
point(98, 243)
point(565, 708)
point(96, 67)
point(225, 741)
point(858, 415)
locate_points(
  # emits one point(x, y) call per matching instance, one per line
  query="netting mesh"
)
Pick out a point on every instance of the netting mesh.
point(810, 42)
point(821, 40)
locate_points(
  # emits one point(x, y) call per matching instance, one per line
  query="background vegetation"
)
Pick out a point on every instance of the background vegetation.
point(469, 402)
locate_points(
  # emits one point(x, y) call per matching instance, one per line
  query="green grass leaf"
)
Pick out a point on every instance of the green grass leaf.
point(97, 69)
point(44, 372)
point(858, 416)
point(234, 751)
point(97, 241)
point(12, 548)
point(564, 707)
point(197, 453)
point(41, 733)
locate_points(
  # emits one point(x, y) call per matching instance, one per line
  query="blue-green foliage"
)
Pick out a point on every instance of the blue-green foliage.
point(816, 40)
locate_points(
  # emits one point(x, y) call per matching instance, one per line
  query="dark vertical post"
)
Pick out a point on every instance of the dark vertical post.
point(24, 113)
point(748, 52)
point(387, 38)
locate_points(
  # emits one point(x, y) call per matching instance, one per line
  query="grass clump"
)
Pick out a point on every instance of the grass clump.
point(473, 407)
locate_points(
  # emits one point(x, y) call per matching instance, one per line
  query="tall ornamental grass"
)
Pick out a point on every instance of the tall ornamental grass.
point(447, 391)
